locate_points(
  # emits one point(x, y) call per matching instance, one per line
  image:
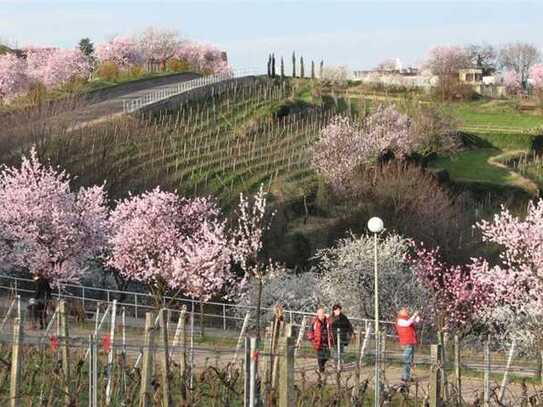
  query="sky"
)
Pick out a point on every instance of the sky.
point(359, 34)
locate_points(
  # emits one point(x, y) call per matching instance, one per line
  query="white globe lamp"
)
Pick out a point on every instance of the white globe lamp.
point(375, 225)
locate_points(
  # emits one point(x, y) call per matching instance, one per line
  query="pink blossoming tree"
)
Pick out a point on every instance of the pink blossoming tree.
point(345, 146)
point(206, 58)
point(458, 297)
point(122, 51)
point(536, 77)
point(171, 244)
point(57, 66)
point(512, 82)
point(158, 44)
point(517, 280)
point(14, 80)
point(445, 62)
point(45, 228)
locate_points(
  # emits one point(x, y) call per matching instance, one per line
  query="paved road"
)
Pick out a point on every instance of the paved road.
point(109, 102)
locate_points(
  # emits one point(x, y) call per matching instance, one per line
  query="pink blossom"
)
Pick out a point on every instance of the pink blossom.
point(57, 66)
point(536, 76)
point(158, 44)
point(203, 57)
point(459, 296)
point(46, 228)
point(170, 243)
point(344, 146)
point(512, 82)
point(518, 279)
point(13, 78)
point(122, 51)
point(447, 60)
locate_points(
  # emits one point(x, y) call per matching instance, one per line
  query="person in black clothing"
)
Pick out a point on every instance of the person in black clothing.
point(342, 326)
point(42, 295)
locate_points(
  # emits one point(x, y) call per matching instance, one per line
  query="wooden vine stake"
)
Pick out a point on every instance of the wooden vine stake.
point(435, 376)
point(146, 397)
point(457, 370)
point(16, 363)
point(165, 359)
point(287, 394)
point(65, 352)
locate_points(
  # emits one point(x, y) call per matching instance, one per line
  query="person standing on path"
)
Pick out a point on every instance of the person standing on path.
point(321, 336)
point(42, 295)
point(342, 326)
point(407, 335)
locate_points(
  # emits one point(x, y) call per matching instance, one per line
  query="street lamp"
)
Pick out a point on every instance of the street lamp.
point(376, 226)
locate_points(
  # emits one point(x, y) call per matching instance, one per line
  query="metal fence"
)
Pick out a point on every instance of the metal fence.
point(220, 315)
point(150, 97)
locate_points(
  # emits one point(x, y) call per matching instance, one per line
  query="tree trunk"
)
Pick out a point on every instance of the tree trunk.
point(258, 306)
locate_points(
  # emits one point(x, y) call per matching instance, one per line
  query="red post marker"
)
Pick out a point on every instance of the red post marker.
point(254, 355)
point(106, 343)
point(53, 340)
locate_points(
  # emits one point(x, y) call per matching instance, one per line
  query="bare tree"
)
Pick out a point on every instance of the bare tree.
point(445, 62)
point(483, 56)
point(520, 57)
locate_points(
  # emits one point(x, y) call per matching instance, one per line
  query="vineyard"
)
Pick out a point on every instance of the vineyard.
point(231, 139)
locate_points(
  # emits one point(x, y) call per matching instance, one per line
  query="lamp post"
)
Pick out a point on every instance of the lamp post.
point(376, 226)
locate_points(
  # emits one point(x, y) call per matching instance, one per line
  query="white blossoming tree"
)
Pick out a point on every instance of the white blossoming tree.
point(347, 276)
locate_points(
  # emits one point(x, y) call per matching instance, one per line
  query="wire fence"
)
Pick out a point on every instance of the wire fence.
point(153, 96)
point(217, 315)
point(95, 363)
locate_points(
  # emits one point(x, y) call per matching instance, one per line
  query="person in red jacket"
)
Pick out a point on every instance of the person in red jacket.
point(405, 327)
point(321, 336)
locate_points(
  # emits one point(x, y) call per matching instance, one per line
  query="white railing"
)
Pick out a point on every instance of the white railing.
point(164, 92)
point(141, 302)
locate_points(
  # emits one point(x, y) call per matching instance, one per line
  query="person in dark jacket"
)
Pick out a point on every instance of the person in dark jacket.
point(42, 296)
point(321, 336)
point(342, 326)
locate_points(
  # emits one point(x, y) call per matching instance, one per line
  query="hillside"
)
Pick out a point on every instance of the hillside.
point(4, 49)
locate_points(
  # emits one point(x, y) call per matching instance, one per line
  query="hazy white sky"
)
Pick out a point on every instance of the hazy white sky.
point(356, 33)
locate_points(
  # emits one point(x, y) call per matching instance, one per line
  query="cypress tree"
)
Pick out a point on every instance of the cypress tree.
point(269, 65)
point(273, 66)
point(321, 67)
point(312, 69)
point(302, 74)
point(293, 65)
point(282, 68)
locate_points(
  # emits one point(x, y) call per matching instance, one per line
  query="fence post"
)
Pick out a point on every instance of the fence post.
point(247, 372)
point(457, 369)
point(146, 399)
point(191, 355)
point(357, 366)
point(242, 335)
point(65, 351)
point(111, 353)
point(300, 336)
point(377, 379)
point(224, 317)
point(486, 382)
point(165, 360)
point(93, 371)
point(507, 368)
point(16, 363)
point(252, 384)
point(435, 385)
point(201, 319)
point(287, 396)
